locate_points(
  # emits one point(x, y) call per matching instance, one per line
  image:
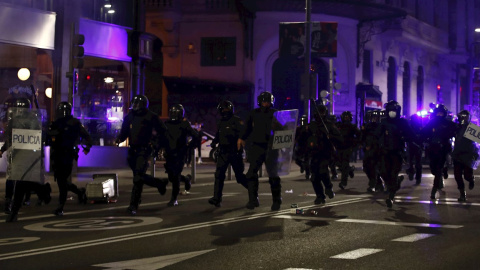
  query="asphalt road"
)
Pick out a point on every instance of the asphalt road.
point(355, 230)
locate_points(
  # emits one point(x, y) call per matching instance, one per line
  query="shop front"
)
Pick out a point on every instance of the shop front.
point(102, 91)
point(26, 69)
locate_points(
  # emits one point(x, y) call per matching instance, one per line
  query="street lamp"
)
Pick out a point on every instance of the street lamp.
point(23, 74)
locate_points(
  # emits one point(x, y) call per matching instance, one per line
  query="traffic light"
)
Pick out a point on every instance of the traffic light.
point(77, 50)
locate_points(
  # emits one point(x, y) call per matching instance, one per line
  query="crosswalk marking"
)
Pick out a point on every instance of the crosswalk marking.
point(446, 201)
point(357, 253)
point(152, 263)
point(414, 237)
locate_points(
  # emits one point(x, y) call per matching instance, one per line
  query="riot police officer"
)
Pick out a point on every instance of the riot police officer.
point(229, 128)
point(371, 151)
point(437, 133)
point(464, 155)
point(415, 152)
point(392, 133)
point(300, 150)
point(323, 135)
point(21, 117)
point(351, 135)
point(258, 127)
point(138, 126)
point(176, 148)
point(63, 136)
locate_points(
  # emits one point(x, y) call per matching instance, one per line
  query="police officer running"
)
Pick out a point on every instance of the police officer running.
point(24, 170)
point(393, 132)
point(415, 152)
point(229, 128)
point(300, 147)
point(323, 135)
point(63, 136)
point(464, 155)
point(176, 149)
point(437, 134)
point(138, 127)
point(258, 127)
point(351, 135)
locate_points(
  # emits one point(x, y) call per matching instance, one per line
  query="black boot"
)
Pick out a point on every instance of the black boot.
point(12, 217)
point(351, 171)
point(134, 199)
point(8, 205)
point(471, 184)
point(252, 195)
point(82, 197)
point(217, 193)
point(59, 211)
point(276, 198)
point(463, 196)
point(433, 193)
point(188, 181)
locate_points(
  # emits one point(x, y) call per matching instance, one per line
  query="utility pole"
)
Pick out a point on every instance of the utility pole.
point(306, 77)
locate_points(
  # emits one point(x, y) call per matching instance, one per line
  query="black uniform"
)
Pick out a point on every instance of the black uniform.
point(138, 127)
point(258, 129)
point(392, 133)
point(229, 128)
point(63, 136)
point(464, 155)
point(415, 152)
point(437, 133)
point(175, 153)
point(323, 135)
point(371, 153)
point(351, 135)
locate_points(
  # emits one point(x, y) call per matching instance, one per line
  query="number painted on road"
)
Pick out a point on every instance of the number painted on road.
point(93, 224)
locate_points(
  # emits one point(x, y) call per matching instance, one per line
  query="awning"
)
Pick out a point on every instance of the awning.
point(360, 10)
point(182, 85)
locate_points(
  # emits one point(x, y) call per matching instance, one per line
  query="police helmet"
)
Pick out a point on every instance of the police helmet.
point(176, 112)
point(139, 102)
point(265, 97)
point(464, 117)
point(393, 109)
point(19, 103)
point(415, 120)
point(64, 109)
point(225, 108)
point(322, 109)
point(303, 120)
point(375, 116)
point(346, 116)
point(440, 110)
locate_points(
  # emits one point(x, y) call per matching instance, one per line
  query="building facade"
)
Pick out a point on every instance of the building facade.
point(419, 53)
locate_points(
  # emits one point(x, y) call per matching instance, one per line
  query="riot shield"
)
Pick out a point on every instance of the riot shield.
point(25, 145)
point(281, 144)
point(472, 132)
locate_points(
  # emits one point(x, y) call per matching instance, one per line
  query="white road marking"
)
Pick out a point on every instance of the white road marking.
point(446, 201)
point(93, 224)
point(17, 240)
point(414, 237)
point(358, 253)
point(376, 222)
point(112, 208)
point(126, 237)
point(152, 263)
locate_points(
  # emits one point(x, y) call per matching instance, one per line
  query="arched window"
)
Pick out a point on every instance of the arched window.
point(406, 88)
point(420, 82)
point(392, 79)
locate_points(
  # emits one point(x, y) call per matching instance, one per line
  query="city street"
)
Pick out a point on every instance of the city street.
point(355, 230)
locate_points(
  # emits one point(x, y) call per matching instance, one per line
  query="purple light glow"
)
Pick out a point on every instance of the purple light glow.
point(105, 40)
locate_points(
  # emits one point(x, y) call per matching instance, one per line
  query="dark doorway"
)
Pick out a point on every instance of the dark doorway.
point(392, 79)
point(406, 88)
point(420, 87)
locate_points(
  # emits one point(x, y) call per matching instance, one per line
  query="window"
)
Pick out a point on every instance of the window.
point(218, 51)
